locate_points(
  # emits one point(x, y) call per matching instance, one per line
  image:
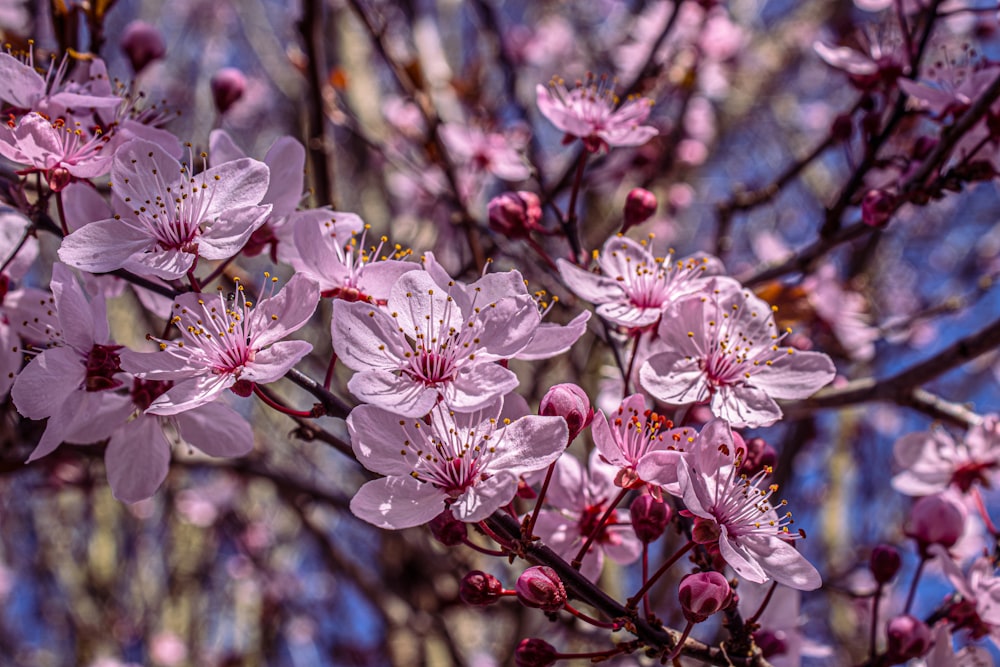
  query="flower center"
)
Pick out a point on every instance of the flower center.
point(102, 365)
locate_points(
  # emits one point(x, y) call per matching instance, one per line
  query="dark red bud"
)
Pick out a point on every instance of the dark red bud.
point(515, 214)
point(640, 205)
point(884, 563)
point(228, 85)
point(877, 207)
point(540, 587)
point(142, 43)
point(448, 530)
point(480, 589)
point(702, 594)
point(535, 653)
point(649, 518)
point(571, 403)
point(907, 638)
point(936, 520)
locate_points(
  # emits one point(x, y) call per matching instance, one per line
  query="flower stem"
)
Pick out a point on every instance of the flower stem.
point(678, 646)
point(590, 619)
point(529, 527)
point(483, 550)
point(977, 497)
point(763, 605)
point(913, 585)
point(328, 378)
point(570, 227)
point(645, 578)
point(873, 635)
point(597, 529)
point(632, 601)
point(272, 402)
point(62, 213)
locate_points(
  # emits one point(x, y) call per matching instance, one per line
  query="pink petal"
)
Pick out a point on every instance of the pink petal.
point(397, 502)
point(103, 246)
point(272, 363)
point(47, 382)
point(483, 499)
point(551, 339)
point(137, 459)
point(285, 312)
point(400, 393)
point(189, 394)
point(477, 386)
point(365, 337)
point(216, 429)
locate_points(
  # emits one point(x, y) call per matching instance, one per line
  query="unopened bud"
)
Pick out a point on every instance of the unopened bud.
point(649, 518)
point(142, 43)
point(480, 589)
point(515, 214)
point(702, 594)
point(877, 207)
point(228, 85)
point(884, 563)
point(907, 638)
point(535, 653)
point(571, 403)
point(640, 205)
point(540, 587)
point(58, 178)
point(759, 456)
point(936, 519)
point(448, 530)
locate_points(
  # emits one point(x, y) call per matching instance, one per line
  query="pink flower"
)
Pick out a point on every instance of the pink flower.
point(332, 253)
point(224, 342)
point(484, 151)
point(930, 461)
point(70, 381)
point(61, 151)
point(580, 498)
point(24, 88)
point(138, 454)
point(434, 343)
point(590, 111)
point(976, 608)
point(950, 86)
point(167, 218)
point(635, 287)
point(753, 537)
point(634, 436)
point(468, 462)
point(723, 347)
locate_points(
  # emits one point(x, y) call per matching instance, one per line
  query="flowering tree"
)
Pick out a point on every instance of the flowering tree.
point(478, 333)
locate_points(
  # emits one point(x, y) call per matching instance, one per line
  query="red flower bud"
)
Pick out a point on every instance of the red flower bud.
point(640, 205)
point(908, 638)
point(228, 85)
point(702, 594)
point(515, 214)
point(448, 530)
point(480, 589)
point(936, 519)
point(884, 563)
point(535, 653)
point(541, 587)
point(571, 403)
point(649, 518)
point(142, 43)
point(877, 207)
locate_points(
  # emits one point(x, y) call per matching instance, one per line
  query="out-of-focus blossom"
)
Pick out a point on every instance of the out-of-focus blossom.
point(591, 112)
point(228, 86)
point(634, 287)
point(226, 344)
point(489, 152)
point(723, 347)
point(466, 462)
point(579, 498)
point(950, 86)
point(943, 654)
point(930, 461)
point(142, 43)
point(780, 637)
point(976, 609)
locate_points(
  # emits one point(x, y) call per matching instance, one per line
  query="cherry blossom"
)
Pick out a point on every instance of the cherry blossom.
point(484, 151)
point(723, 347)
point(467, 462)
point(579, 497)
point(930, 461)
point(167, 218)
point(60, 150)
point(976, 608)
point(432, 343)
point(55, 94)
point(754, 539)
point(591, 112)
point(226, 343)
point(635, 287)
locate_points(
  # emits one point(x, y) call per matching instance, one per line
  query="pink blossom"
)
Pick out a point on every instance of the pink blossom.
point(60, 150)
point(950, 85)
point(435, 343)
point(224, 342)
point(69, 382)
point(635, 287)
point(930, 461)
point(723, 347)
point(753, 537)
point(591, 112)
point(976, 608)
point(466, 462)
point(24, 88)
point(943, 653)
point(579, 498)
point(167, 218)
point(484, 151)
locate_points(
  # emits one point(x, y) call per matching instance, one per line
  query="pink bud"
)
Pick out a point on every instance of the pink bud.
point(884, 563)
point(540, 587)
point(649, 518)
point(936, 519)
point(448, 530)
point(571, 403)
point(702, 594)
point(535, 653)
point(877, 207)
point(640, 205)
point(480, 589)
point(228, 85)
point(759, 456)
point(515, 214)
point(908, 638)
point(142, 44)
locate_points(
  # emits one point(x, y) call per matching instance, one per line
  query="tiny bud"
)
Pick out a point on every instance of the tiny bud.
point(640, 205)
point(702, 594)
point(877, 207)
point(448, 530)
point(142, 43)
point(540, 587)
point(515, 214)
point(936, 519)
point(759, 455)
point(58, 178)
point(704, 531)
point(480, 589)
point(535, 653)
point(649, 518)
point(228, 85)
point(884, 563)
point(908, 638)
point(571, 403)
